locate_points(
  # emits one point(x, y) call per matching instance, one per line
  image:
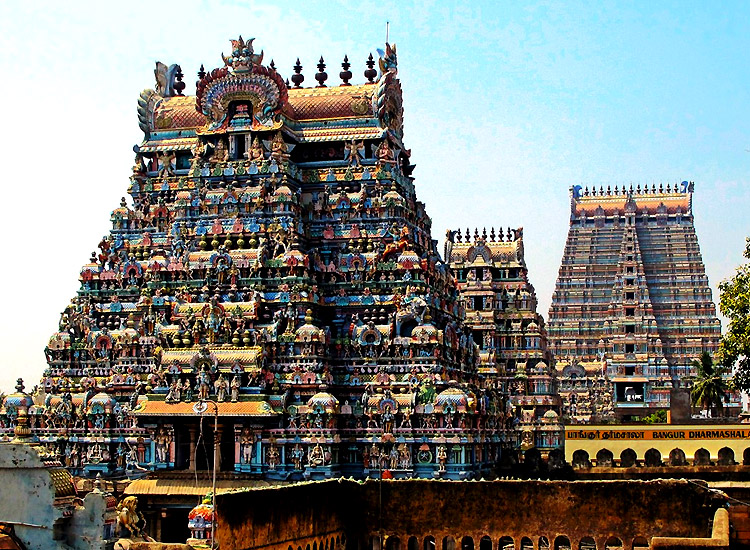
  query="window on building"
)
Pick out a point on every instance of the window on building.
point(630, 295)
point(630, 311)
point(629, 329)
point(629, 348)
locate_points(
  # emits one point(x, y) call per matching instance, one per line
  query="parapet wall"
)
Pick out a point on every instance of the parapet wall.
point(487, 515)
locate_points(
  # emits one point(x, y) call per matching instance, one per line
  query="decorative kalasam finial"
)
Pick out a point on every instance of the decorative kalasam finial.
point(179, 85)
point(243, 56)
point(346, 74)
point(370, 73)
point(298, 78)
point(19, 385)
point(272, 66)
point(492, 234)
point(321, 76)
point(287, 83)
point(201, 73)
point(484, 233)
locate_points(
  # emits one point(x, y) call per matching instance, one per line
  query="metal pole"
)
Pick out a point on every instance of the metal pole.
point(213, 483)
point(200, 407)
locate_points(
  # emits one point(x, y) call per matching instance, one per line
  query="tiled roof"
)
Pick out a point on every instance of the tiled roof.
point(241, 408)
point(333, 102)
point(187, 487)
point(177, 112)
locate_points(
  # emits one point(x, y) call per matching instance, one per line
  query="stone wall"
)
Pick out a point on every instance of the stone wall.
point(427, 515)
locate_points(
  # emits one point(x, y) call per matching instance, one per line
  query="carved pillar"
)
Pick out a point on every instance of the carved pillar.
point(217, 447)
point(193, 437)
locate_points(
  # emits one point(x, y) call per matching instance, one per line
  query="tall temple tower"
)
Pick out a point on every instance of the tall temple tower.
point(500, 305)
point(632, 306)
point(275, 261)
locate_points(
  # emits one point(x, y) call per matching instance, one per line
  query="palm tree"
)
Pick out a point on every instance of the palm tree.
point(709, 388)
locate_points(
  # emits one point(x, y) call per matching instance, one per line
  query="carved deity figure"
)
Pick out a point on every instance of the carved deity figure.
point(246, 446)
point(272, 457)
point(221, 386)
point(297, 455)
point(442, 456)
point(316, 456)
point(256, 152)
point(235, 386)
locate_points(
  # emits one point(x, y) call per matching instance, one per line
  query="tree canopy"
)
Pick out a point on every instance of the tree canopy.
point(734, 303)
point(710, 388)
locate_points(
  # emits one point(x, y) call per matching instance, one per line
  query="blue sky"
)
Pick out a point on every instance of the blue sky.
point(507, 104)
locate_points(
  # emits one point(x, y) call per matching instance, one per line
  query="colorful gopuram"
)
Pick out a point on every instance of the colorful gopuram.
point(632, 307)
point(273, 273)
point(501, 311)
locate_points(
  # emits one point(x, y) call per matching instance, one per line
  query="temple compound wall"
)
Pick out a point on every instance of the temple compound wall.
point(487, 515)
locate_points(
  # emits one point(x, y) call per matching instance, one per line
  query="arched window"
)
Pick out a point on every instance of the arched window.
point(543, 543)
point(506, 543)
point(527, 544)
point(581, 459)
point(677, 457)
point(429, 543)
point(639, 543)
point(605, 458)
point(702, 458)
point(562, 543)
point(393, 543)
point(449, 543)
point(613, 543)
point(485, 543)
point(412, 544)
point(467, 543)
point(628, 458)
point(652, 457)
point(726, 457)
point(587, 543)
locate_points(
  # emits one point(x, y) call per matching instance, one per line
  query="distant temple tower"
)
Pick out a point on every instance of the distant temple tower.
point(500, 305)
point(632, 307)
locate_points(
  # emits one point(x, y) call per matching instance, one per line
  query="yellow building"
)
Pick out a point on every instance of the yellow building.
point(657, 445)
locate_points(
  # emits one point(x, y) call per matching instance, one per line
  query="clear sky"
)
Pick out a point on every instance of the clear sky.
point(507, 104)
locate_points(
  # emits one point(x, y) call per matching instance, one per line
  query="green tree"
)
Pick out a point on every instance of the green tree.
point(734, 303)
point(710, 387)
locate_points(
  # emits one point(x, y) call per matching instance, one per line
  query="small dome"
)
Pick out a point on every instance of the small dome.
point(550, 417)
point(284, 194)
point(19, 399)
point(103, 399)
point(59, 341)
point(323, 401)
point(309, 332)
point(453, 398)
point(425, 333)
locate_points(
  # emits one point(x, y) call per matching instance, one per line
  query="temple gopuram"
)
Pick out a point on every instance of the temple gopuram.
point(501, 312)
point(274, 275)
point(632, 307)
